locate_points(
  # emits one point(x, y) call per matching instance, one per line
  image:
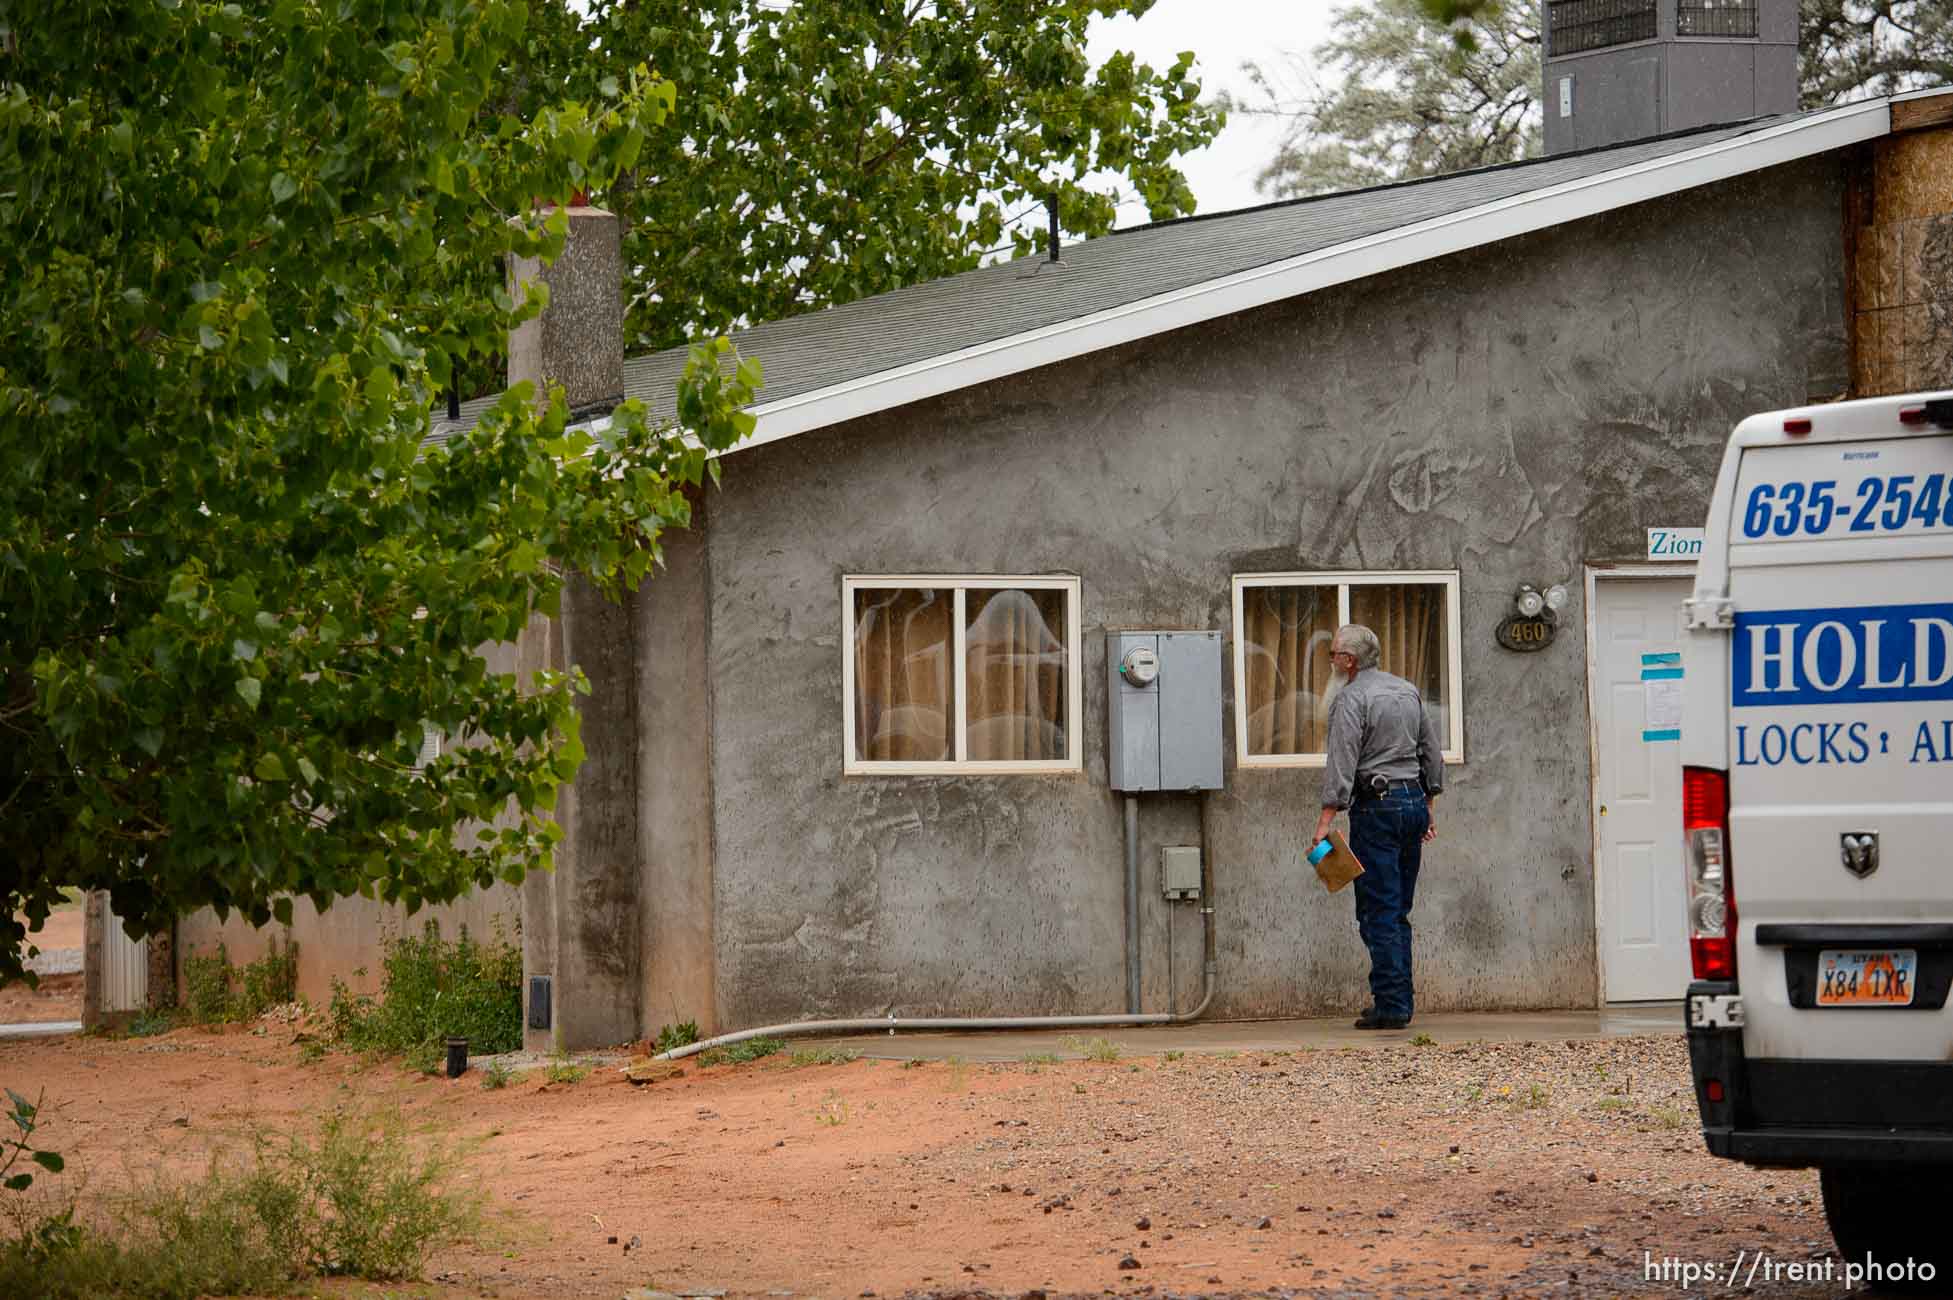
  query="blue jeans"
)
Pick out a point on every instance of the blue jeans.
point(1387, 836)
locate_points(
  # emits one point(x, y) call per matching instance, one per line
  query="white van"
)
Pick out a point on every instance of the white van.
point(1817, 751)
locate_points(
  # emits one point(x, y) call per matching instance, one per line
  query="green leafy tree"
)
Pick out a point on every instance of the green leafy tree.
point(1852, 48)
point(1408, 88)
point(240, 250)
point(1395, 93)
point(831, 149)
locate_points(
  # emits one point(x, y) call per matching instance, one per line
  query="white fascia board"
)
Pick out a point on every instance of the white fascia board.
point(1519, 214)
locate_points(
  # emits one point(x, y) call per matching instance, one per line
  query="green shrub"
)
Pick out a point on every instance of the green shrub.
point(426, 1058)
point(823, 1056)
point(432, 989)
point(270, 981)
point(564, 1070)
point(150, 1023)
point(1102, 1050)
point(683, 1034)
point(18, 1146)
point(207, 987)
point(216, 993)
point(751, 1049)
point(363, 1199)
point(380, 1200)
point(495, 1075)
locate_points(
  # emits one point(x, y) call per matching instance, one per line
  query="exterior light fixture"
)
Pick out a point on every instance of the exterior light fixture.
point(1531, 602)
point(1535, 617)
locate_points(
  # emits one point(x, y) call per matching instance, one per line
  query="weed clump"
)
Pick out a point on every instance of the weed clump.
point(682, 1034)
point(564, 1070)
point(752, 1049)
point(823, 1056)
point(150, 1023)
point(1102, 1050)
point(430, 989)
point(216, 993)
point(361, 1199)
point(1534, 1098)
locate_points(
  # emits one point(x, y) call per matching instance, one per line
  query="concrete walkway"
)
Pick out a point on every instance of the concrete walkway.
point(1272, 1035)
point(49, 1029)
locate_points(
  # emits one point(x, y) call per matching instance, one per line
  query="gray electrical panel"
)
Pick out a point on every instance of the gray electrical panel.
point(1164, 705)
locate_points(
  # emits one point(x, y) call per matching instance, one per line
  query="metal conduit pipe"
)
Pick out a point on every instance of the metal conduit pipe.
point(1132, 906)
point(1209, 981)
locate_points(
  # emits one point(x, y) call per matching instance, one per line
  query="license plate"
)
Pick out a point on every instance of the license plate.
point(1866, 977)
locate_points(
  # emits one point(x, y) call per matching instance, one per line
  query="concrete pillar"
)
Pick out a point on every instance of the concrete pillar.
point(675, 784)
point(591, 902)
point(578, 341)
point(94, 938)
point(580, 924)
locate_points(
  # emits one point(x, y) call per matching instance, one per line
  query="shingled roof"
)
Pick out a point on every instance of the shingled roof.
point(929, 338)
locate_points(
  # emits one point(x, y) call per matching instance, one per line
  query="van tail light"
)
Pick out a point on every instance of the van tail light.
point(1937, 412)
point(1705, 850)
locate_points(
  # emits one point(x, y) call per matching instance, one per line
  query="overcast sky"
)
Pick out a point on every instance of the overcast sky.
point(1221, 33)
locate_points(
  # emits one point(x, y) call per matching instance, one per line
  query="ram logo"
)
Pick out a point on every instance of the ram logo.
point(1858, 851)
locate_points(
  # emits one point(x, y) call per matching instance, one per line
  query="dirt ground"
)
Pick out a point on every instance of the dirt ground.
point(1495, 1169)
point(59, 996)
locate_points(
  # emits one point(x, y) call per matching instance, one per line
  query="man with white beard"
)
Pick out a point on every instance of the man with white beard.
point(1386, 766)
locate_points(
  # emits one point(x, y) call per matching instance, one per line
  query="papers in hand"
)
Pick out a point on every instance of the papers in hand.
point(1337, 867)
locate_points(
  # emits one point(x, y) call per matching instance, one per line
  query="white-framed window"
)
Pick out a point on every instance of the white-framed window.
point(962, 673)
point(1283, 624)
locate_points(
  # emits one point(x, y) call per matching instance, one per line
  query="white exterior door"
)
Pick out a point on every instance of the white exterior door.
point(1644, 952)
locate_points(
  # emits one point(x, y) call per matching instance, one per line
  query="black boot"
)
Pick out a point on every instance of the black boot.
point(1371, 1020)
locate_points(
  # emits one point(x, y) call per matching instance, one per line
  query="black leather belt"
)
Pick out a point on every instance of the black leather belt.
point(1376, 787)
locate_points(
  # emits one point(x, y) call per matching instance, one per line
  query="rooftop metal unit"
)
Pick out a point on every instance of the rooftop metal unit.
point(1621, 70)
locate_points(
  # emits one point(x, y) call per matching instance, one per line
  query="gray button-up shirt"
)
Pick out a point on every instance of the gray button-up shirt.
point(1378, 723)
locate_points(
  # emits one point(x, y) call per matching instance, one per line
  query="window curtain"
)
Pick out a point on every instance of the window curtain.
point(903, 708)
point(1014, 648)
point(1408, 619)
point(1286, 636)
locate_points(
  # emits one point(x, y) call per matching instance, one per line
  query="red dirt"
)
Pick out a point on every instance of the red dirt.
point(59, 996)
point(1409, 1169)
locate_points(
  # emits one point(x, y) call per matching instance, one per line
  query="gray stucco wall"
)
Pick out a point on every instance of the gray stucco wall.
point(1512, 413)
